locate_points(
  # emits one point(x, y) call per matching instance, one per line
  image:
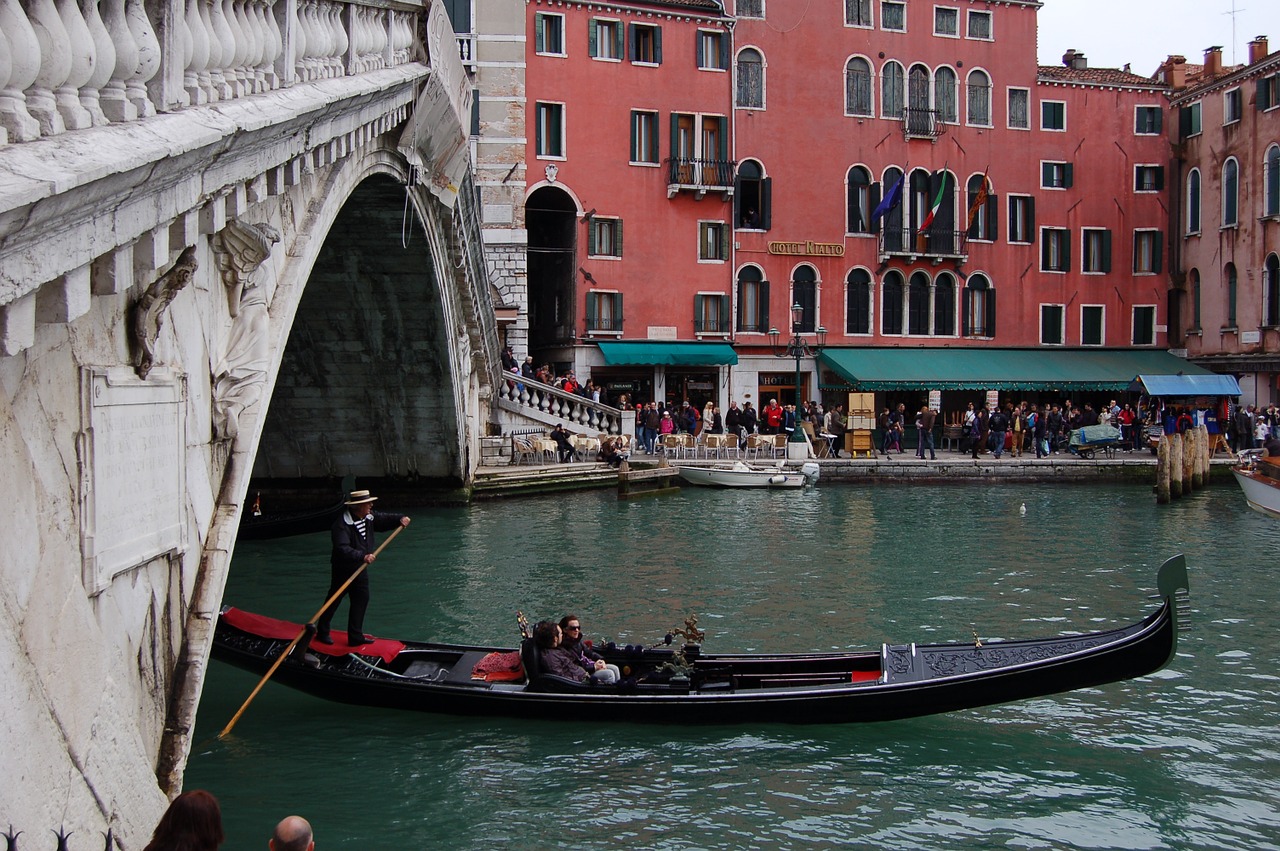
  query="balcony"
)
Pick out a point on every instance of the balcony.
point(932, 243)
point(467, 50)
point(919, 123)
point(604, 324)
point(700, 176)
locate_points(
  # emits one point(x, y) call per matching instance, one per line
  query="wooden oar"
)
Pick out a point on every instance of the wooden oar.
point(262, 682)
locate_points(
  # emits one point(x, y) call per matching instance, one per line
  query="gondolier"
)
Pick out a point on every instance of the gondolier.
point(353, 546)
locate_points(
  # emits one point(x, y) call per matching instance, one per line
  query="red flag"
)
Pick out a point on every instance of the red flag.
point(979, 201)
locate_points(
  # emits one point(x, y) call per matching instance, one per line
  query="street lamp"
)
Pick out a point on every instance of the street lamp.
point(797, 347)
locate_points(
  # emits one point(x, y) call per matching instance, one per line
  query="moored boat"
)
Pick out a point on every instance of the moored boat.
point(741, 475)
point(1259, 478)
point(685, 686)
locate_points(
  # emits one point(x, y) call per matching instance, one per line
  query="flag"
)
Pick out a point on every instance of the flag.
point(979, 200)
point(890, 200)
point(937, 202)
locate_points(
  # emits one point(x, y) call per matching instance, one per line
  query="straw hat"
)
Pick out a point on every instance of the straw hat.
point(359, 498)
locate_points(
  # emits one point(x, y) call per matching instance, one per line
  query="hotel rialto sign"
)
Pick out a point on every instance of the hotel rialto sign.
point(807, 249)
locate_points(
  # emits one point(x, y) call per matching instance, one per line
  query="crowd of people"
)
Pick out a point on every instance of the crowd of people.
point(656, 419)
point(193, 822)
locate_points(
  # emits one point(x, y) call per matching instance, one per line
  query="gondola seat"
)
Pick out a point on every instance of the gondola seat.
point(538, 678)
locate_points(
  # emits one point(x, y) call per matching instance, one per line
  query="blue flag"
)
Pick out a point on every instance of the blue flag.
point(890, 200)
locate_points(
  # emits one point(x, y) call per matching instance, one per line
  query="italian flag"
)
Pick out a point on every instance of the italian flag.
point(937, 202)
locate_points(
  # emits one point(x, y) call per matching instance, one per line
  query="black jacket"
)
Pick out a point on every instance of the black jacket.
point(349, 548)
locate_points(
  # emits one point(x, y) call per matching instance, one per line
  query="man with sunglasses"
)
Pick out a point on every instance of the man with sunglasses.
point(571, 627)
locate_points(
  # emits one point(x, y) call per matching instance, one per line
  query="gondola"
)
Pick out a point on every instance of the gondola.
point(669, 684)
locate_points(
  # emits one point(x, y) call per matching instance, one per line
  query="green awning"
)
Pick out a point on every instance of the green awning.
point(1104, 370)
point(671, 354)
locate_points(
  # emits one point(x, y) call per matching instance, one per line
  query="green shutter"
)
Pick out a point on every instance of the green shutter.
point(725, 233)
point(1068, 176)
point(657, 45)
point(992, 212)
point(991, 311)
point(593, 311)
point(1031, 214)
point(539, 34)
point(635, 136)
point(873, 201)
point(617, 238)
point(1066, 251)
point(539, 144)
point(619, 40)
point(700, 54)
point(632, 36)
point(724, 314)
point(766, 203)
point(1106, 250)
point(764, 306)
point(722, 134)
point(1159, 178)
point(1157, 249)
point(698, 302)
point(591, 236)
point(1046, 174)
point(724, 51)
point(592, 39)
point(966, 307)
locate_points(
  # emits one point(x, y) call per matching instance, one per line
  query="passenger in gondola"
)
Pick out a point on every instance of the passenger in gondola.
point(573, 642)
point(559, 661)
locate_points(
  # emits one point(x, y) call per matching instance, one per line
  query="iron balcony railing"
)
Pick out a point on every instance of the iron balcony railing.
point(710, 326)
point(931, 242)
point(920, 123)
point(604, 323)
point(700, 175)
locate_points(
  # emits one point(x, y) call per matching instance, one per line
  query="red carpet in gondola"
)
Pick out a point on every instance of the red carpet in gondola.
point(267, 627)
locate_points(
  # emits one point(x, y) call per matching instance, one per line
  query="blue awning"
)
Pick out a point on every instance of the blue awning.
point(668, 353)
point(1185, 386)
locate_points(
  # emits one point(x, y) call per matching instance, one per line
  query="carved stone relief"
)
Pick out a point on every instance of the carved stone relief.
point(148, 312)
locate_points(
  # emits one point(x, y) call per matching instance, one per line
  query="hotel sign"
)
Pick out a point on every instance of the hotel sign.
point(807, 249)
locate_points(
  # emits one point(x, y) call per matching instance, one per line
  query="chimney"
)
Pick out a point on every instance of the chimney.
point(1258, 50)
point(1213, 61)
point(1074, 59)
point(1173, 71)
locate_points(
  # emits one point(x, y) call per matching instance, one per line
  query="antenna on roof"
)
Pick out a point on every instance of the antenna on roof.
point(1234, 13)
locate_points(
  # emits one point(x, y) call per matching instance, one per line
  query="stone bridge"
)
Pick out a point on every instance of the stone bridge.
point(209, 210)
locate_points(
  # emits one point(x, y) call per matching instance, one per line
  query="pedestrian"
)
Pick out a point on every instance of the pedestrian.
point(353, 545)
point(997, 425)
point(193, 822)
point(293, 833)
point(927, 418)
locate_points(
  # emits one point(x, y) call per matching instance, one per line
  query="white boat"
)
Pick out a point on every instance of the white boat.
point(742, 476)
point(1260, 481)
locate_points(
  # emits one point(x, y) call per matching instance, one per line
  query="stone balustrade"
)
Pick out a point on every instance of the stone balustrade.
point(586, 415)
point(74, 64)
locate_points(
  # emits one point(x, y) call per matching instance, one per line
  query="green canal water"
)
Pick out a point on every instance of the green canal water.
point(1185, 759)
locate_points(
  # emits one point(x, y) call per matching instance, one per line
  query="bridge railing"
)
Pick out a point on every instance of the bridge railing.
point(96, 62)
point(525, 393)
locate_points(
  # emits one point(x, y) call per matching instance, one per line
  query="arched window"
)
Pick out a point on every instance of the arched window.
point(859, 189)
point(944, 305)
point(857, 315)
point(1231, 295)
point(979, 99)
point(979, 307)
point(753, 300)
point(1193, 201)
point(894, 233)
point(891, 90)
point(857, 87)
point(1230, 193)
point(1271, 202)
point(982, 213)
point(891, 304)
point(918, 87)
point(944, 95)
point(918, 304)
point(1271, 290)
point(1195, 299)
point(752, 197)
point(750, 79)
point(804, 292)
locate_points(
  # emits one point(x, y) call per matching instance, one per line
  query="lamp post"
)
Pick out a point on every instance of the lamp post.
point(797, 347)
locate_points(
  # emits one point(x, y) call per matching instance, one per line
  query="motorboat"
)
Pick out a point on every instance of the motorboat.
point(681, 684)
point(742, 475)
point(1259, 478)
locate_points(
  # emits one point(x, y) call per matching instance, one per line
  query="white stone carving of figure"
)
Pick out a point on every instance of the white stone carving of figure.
point(148, 311)
point(239, 377)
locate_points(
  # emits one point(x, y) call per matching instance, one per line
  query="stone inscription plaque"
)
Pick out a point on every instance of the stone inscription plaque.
point(132, 469)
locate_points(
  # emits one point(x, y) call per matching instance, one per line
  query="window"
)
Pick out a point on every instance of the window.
point(857, 308)
point(711, 313)
point(891, 90)
point(1053, 327)
point(1231, 106)
point(713, 51)
point(1019, 109)
point(713, 241)
point(857, 87)
point(1092, 324)
point(750, 79)
point(1146, 120)
point(804, 292)
point(1230, 194)
point(604, 312)
point(944, 305)
point(1271, 182)
point(1022, 218)
point(1189, 121)
point(604, 237)
point(753, 301)
point(1148, 178)
point(980, 25)
point(857, 13)
point(1267, 95)
point(644, 137)
point(1232, 294)
point(1195, 300)
point(918, 304)
point(982, 209)
point(1147, 247)
point(1144, 324)
point(1056, 175)
point(979, 308)
point(1193, 201)
point(891, 304)
point(750, 8)
point(893, 15)
point(752, 197)
point(1271, 291)
point(946, 21)
point(979, 99)
point(859, 197)
point(1055, 250)
point(604, 40)
point(645, 44)
point(549, 129)
point(1095, 250)
point(1053, 115)
point(548, 34)
point(944, 95)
